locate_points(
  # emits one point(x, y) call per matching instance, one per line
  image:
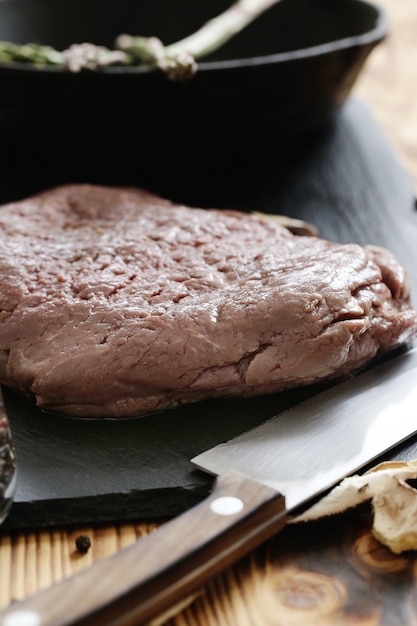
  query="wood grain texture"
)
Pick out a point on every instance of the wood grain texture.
point(157, 572)
point(331, 574)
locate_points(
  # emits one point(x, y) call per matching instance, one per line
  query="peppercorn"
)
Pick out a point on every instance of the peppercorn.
point(83, 543)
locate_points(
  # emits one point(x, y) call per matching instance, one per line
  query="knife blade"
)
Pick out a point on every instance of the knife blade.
point(263, 475)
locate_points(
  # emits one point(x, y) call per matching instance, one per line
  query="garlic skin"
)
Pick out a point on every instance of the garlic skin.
point(393, 500)
point(395, 516)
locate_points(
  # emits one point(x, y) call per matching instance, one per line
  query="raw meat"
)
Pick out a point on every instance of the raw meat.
point(116, 303)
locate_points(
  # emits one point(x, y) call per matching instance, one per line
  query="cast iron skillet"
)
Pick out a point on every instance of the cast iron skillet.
point(281, 78)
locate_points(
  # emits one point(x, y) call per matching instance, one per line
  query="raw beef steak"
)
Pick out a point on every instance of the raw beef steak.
point(115, 302)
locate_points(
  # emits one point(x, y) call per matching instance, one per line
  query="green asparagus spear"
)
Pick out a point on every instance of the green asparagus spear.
point(178, 60)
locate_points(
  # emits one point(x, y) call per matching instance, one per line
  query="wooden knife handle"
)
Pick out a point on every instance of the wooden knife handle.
point(163, 568)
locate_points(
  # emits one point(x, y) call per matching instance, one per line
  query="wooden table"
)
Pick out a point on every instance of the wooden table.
point(272, 586)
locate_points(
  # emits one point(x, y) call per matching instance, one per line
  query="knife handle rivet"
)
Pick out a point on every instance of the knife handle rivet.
point(21, 618)
point(226, 505)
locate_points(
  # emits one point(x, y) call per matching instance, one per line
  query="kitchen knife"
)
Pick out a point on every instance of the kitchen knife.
point(263, 476)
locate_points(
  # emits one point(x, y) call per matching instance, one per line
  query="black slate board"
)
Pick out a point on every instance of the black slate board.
point(345, 179)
